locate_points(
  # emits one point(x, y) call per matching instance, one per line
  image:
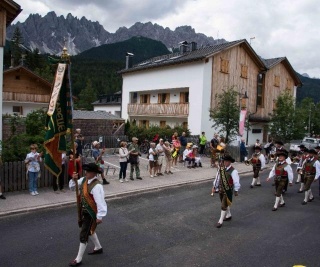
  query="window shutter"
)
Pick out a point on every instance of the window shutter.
point(182, 100)
point(159, 98)
point(167, 98)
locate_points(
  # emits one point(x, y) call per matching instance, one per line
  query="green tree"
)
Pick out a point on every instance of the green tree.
point(16, 42)
point(87, 97)
point(287, 122)
point(225, 115)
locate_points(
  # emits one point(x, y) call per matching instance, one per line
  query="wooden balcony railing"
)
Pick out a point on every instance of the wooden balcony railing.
point(171, 109)
point(23, 97)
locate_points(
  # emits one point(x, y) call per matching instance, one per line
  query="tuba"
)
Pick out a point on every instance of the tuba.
point(248, 162)
point(272, 157)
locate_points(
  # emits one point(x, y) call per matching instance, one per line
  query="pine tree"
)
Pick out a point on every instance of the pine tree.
point(87, 97)
point(16, 43)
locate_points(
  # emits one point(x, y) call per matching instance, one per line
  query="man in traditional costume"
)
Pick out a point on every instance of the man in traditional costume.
point(227, 180)
point(282, 172)
point(258, 162)
point(311, 171)
point(93, 209)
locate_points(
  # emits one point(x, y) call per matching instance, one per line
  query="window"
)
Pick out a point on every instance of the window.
point(145, 99)
point(163, 98)
point(244, 71)
point(17, 109)
point(289, 84)
point(134, 97)
point(184, 97)
point(260, 90)
point(185, 125)
point(163, 124)
point(256, 131)
point(144, 124)
point(224, 65)
point(277, 80)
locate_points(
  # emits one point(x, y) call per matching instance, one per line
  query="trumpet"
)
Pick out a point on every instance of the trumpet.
point(295, 159)
point(248, 162)
point(272, 157)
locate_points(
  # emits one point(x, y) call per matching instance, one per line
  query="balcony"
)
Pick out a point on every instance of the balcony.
point(23, 97)
point(165, 110)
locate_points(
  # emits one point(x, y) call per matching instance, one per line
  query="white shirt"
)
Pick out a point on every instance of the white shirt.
point(98, 196)
point(235, 178)
point(33, 160)
point(186, 153)
point(316, 165)
point(288, 169)
point(123, 154)
point(151, 151)
point(160, 149)
point(262, 160)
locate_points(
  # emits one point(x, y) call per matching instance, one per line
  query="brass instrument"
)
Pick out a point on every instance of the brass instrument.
point(295, 159)
point(272, 157)
point(248, 162)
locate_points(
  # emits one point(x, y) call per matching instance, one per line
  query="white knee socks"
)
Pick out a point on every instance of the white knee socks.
point(228, 215)
point(301, 186)
point(82, 248)
point(306, 195)
point(253, 181)
point(95, 240)
point(258, 180)
point(299, 178)
point(223, 214)
point(277, 202)
point(281, 199)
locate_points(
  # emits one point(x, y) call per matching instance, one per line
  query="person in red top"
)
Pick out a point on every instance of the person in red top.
point(71, 168)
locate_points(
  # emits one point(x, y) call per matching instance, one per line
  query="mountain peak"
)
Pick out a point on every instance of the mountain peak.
point(47, 33)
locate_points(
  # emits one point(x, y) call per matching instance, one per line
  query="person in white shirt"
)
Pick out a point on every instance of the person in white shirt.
point(33, 168)
point(282, 172)
point(258, 162)
point(93, 209)
point(160, 152)
point(153, 155)
point(226, 184)
point(311, 171)
point(123, 160)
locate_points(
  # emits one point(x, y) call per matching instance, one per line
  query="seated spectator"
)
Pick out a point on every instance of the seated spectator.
point(197, 157)
point(190, 158)
point(186, 151)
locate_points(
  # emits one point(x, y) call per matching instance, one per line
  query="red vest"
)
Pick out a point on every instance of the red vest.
point(280, 171)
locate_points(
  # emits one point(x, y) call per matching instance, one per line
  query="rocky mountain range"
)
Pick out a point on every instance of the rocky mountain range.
point(51, 32)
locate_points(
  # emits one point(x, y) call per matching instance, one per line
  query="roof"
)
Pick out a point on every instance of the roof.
point(196, 55)
point(12, 10)
point(28, 71)
point(93, 115)
point(271, 62)
point(104, 102)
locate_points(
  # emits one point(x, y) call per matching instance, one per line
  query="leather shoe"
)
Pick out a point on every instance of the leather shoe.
point(74, 263)
point(311, 199)
point(274, 209)
point(282, 205)
point(227, 219)
point(251, 186)
point(218, 225)
point(300, 191)
point(131, 179)
point(304, 203)
point(98, 251)
point(139, 178)
point(258, 184)
point(297, 182)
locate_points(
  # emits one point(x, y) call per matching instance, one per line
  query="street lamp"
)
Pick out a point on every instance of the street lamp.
point(242, 100)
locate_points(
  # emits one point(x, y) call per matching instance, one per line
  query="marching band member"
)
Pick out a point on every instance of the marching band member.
point(282, 172)
point(303, 157)
point(311, 171)
point(258, 162)
point(227, 180)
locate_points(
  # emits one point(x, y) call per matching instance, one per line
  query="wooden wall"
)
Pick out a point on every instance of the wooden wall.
point(237, 56)
point(20, 81)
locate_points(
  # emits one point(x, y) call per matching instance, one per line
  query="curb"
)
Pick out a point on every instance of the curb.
point(108, 197)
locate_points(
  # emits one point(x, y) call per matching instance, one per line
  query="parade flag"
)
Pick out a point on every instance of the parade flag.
point(242, 120)
point(59, 120)
point(225, 184)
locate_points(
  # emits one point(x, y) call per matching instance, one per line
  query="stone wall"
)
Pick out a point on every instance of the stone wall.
point(6, 128)
point(98, 127)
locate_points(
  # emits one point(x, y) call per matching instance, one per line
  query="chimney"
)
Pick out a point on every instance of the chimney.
point(193, 46)
point(183, 46)
point(129, 60)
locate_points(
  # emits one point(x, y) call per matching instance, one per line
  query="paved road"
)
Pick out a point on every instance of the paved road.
point(173, 227)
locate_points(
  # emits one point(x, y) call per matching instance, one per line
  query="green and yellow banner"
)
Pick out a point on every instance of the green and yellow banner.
point(225, 184)
point(59, 120)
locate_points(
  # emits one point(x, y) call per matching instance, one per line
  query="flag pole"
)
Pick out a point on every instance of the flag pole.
point(66, 58)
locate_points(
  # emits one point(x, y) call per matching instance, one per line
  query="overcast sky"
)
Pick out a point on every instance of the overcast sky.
point(281, 27)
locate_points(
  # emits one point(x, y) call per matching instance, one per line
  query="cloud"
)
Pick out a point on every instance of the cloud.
point(281, 28)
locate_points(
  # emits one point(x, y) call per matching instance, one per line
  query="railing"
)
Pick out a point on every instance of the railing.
point(171, 109)
point(23, 97)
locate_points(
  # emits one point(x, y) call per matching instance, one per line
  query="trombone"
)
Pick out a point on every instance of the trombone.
point(295, 159)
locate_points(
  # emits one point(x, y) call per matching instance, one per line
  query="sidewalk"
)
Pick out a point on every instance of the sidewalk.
point(22, 201)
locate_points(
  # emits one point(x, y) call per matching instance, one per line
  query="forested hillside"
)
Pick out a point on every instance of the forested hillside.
point(310, 88)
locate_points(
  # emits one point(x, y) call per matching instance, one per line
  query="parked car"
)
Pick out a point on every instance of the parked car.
point(294, 146)
point(310, 142)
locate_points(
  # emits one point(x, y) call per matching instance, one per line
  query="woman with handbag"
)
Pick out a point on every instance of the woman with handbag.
point(153, 156)
point(123, 160)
